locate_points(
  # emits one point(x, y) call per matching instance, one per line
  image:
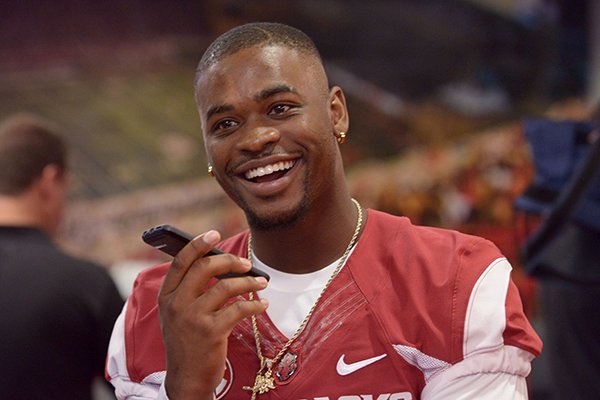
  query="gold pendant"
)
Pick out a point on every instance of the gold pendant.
point(262, 384)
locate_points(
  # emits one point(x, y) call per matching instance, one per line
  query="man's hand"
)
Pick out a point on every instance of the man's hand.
point(196, 319)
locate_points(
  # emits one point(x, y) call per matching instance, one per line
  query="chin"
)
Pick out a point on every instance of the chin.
point(276, 219)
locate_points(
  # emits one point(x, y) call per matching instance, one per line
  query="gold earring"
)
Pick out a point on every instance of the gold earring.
point(210, 170)
point(342, 138)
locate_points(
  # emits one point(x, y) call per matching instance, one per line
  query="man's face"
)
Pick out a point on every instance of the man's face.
point(269, 123)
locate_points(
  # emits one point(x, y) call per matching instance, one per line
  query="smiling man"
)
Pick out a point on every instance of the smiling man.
point(360, 304)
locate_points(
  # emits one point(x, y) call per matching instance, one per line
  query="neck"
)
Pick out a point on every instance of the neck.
point(19, 211)
point(315, 242)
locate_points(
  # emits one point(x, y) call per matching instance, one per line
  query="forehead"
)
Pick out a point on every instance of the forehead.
point(249, 71)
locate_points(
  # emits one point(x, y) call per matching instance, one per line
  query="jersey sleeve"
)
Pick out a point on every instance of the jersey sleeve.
point(498, 344)
point(150, 388)
point(135, 363)
point(498, 374)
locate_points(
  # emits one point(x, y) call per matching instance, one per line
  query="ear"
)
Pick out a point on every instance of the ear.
point(51, 188)
point(51, 179)
point(338, 110)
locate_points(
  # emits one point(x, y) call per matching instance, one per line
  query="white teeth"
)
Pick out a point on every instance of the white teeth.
point(268, 169)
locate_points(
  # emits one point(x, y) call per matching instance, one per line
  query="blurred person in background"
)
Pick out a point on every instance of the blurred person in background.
point(361, 304)
point(563, 253)
point(57, 311)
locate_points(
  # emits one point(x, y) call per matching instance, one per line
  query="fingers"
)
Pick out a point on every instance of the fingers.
point(225, 311)
point(225, 289)
point(189, 275)
point(202, 270)
point(230, 315)
point(197, 248)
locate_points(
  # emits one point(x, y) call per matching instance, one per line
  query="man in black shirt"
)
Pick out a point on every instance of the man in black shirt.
point(57, 311)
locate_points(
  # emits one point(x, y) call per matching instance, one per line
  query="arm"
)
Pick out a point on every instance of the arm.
point(498, 344)
point(196, 318)
point(492, 375)
point(118, 374)
point(108, 305)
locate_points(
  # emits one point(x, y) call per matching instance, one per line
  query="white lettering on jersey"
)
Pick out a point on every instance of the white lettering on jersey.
point(383, 396)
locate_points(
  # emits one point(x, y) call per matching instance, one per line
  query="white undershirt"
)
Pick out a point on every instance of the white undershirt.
point(292, 295)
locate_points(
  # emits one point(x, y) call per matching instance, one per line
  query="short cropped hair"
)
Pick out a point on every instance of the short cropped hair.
point(256, 34)
point(27, 145)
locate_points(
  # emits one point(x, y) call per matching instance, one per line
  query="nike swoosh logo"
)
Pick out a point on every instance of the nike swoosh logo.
point(346, 369)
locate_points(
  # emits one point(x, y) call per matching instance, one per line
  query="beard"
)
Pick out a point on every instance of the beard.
point(282, 220)
point(270, 221)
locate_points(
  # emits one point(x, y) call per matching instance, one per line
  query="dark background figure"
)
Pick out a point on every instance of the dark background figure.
point(57, 311)
point(563, 253)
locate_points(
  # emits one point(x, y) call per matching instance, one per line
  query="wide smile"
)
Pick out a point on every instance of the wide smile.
point(267, 178)
point(269, 172)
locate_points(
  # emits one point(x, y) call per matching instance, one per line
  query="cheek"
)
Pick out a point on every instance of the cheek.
point(320, 137)
point(313, 129)
point(215, 151)
point(320, 124)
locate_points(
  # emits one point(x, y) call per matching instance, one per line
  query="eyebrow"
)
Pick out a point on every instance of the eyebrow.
point(272, 91)
point(217, 109)
point(262, 95)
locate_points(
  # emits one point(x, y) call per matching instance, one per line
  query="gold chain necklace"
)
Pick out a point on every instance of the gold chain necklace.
point(265, 381)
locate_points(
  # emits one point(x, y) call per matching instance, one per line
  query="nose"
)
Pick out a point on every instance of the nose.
point(258, 139)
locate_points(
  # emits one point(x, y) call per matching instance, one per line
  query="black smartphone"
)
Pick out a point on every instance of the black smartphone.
point(171, 240)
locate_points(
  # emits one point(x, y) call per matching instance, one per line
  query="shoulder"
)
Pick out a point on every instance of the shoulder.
point(437, 288)
point(44, 249)
point(91, 280)
point(424, 250)
point(400, 228)
point(62, 269)
point(417, 261)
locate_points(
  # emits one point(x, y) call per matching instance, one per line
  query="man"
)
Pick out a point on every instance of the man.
point(57, 311)
point(563, 252)
point(361, 304)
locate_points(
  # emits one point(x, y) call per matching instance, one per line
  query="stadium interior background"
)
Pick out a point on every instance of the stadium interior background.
point(437, 92)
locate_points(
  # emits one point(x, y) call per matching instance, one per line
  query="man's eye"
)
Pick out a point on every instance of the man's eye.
point(279, 109)
point(224, 124)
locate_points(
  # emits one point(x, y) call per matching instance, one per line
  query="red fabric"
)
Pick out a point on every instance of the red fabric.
point(403, 285)
point(143, 338)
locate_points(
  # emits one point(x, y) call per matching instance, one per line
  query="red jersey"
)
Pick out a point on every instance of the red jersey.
point(413, 307)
